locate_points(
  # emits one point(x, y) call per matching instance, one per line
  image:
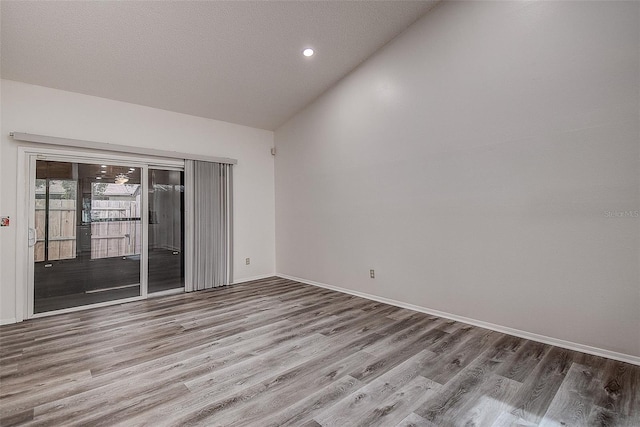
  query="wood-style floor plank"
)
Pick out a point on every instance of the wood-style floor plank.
point(415, 420)
point(362, 403)
point(305, 409)
point(277, 352)
point(539, 389)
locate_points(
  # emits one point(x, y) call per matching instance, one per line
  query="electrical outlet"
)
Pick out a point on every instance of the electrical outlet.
point(372, 274)
point(247, 261)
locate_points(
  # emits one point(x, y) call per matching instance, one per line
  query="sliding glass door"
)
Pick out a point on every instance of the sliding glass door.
point(166, 230)
point(88, 234)
point(103, 231)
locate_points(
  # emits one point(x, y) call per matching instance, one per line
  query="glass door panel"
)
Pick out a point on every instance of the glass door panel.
point(166, 230)
point(88, 234)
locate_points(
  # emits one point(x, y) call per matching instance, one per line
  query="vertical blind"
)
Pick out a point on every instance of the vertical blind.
point(208, 217)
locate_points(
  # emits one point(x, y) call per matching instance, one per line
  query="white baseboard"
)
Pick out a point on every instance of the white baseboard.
point(628, 358)
point(7, 321)
point(249, 279)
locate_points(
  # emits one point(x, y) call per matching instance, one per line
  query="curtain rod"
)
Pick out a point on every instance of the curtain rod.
point(78, 143)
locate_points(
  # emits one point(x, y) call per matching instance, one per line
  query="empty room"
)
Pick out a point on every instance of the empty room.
point(320, 213)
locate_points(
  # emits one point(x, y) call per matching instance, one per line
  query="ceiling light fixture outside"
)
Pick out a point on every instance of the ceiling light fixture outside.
point(308, 52)
point(121, 179)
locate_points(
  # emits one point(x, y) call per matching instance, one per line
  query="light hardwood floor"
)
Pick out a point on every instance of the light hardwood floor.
point(277, 352)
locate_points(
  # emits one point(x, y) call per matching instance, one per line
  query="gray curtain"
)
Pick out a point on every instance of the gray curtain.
point(208, 225)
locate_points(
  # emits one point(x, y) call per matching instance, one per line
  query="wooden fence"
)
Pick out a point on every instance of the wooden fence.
point(62, 229)
point(114, 232)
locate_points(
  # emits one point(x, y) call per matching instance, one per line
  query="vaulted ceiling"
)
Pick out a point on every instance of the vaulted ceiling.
point(236, 61)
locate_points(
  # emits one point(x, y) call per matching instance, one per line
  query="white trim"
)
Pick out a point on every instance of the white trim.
point(249, 279)
point(87, 307)
point(96, 156)
point(31, 215)
point(7, 321)
point(22, 231)
point(77, 143)
point(622, 357)
point(153, 166)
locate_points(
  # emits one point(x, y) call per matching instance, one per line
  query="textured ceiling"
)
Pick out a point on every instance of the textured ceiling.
point(237, 61)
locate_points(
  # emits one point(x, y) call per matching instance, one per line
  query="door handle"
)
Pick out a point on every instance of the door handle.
point(32, 237)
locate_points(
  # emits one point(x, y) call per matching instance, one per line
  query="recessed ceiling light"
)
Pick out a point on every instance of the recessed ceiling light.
point(307, 52)
point(103, 166)
point(98, 177)
point(103, 171)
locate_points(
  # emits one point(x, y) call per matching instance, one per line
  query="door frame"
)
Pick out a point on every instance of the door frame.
point(27, 156)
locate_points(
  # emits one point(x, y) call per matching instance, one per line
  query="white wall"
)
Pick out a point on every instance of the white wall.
point(479, 163)
point(39, 110)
